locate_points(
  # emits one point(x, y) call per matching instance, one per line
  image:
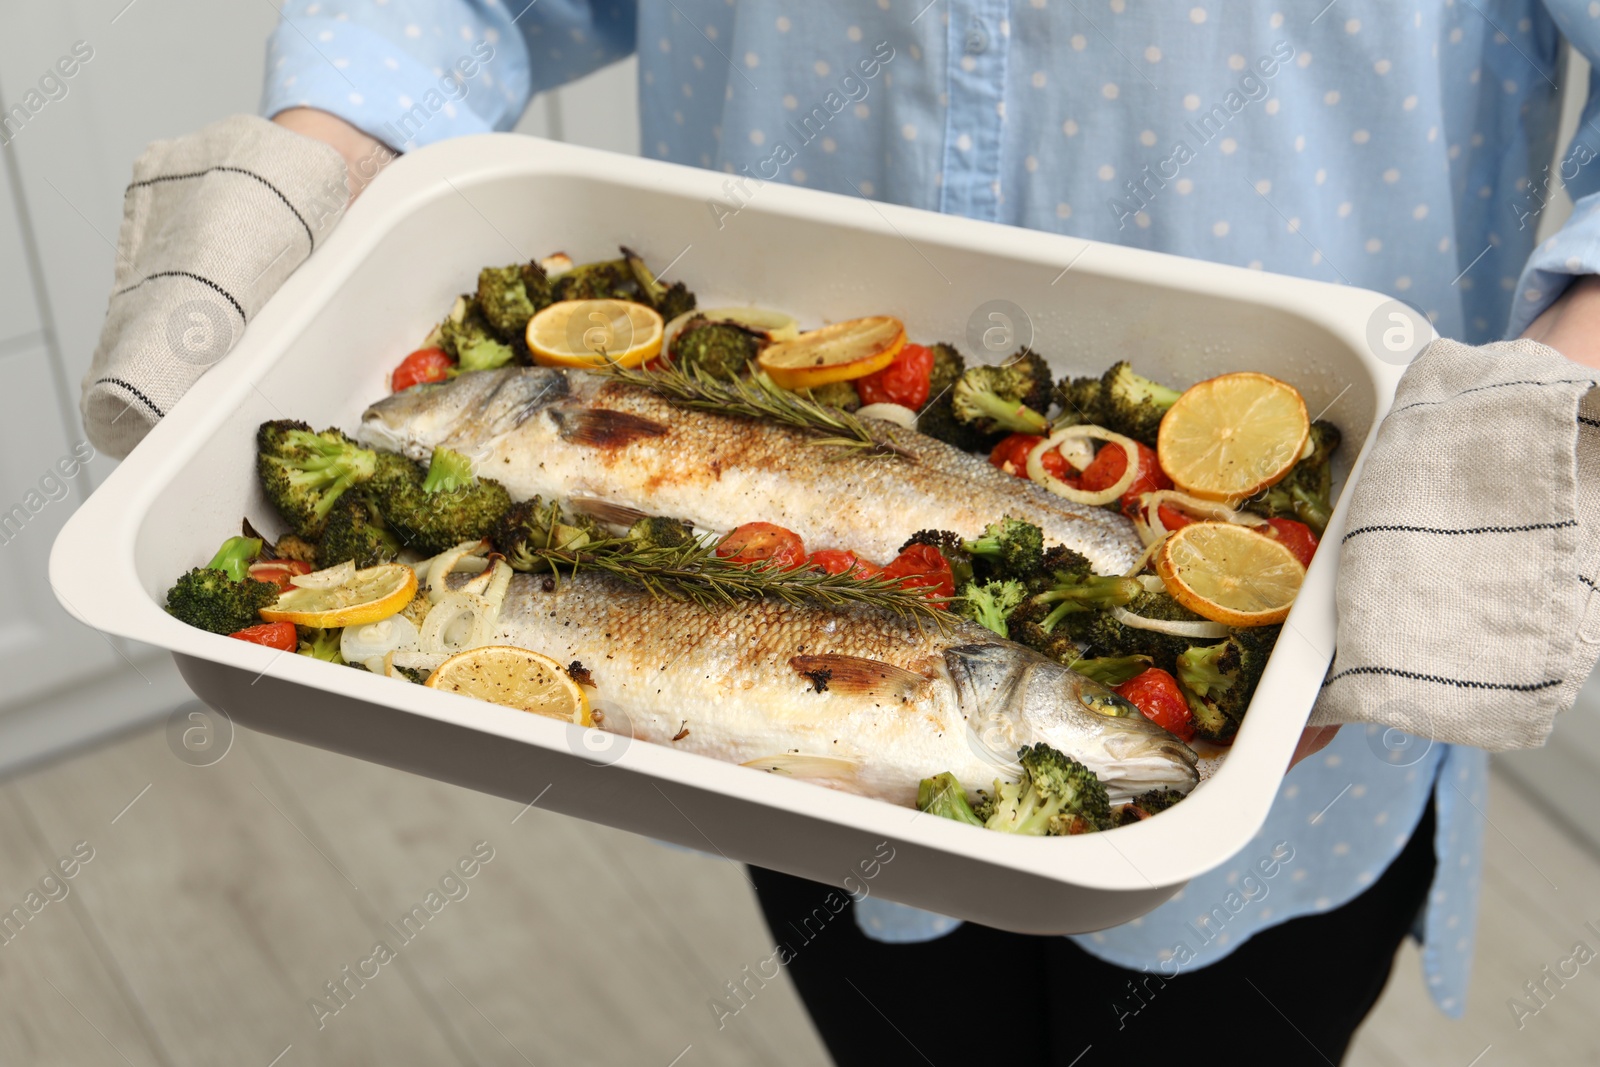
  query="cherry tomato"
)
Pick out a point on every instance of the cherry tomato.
point(922, 567)
point(278, 571)
point(843, 561)
point(423, 365)
point(1156, 694)
point(279, 635)
point(1296, 537)
point(1172, 518)
point(756, 542)
point(1011, 456)
point(1108, 467)
point(904, 382)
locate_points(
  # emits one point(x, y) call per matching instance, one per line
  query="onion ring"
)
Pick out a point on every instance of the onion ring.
point(1105, 496)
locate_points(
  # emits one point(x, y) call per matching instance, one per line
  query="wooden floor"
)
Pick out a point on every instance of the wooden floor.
point(219, 901)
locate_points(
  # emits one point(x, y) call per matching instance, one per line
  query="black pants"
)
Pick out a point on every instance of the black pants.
point(1293, 994)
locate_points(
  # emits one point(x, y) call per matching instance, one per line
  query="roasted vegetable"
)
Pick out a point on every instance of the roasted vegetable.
point(509, 296)
point(534, 524)
point(942, 795)
point(717, 349)
point(445, 507)
point(1056, 795)
point(467, 335)
point(991, 603)
point(836, 395)
point(1009, 549)
point(991, 398)
point(1305, 492)
point(669, 300)
point(1220, 679)
point(304, 473)
point(356, 532)
point(211, 598)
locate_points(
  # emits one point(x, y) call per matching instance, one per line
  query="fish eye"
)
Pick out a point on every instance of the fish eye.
point(1107, 704)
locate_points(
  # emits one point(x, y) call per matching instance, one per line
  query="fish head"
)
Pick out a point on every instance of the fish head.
point(463, 413)
point(1012, 697)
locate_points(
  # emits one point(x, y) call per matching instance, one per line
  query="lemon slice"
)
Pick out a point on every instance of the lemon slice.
point(1231, 437)
point(344, 596)
point(1230, 574)
point(514, 678)
point(593, 333)
point(837, 353)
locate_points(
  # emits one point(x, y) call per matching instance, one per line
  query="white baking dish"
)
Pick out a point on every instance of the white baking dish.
point(321, 349)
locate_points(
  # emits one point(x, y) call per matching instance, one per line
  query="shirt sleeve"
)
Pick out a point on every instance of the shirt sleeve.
point(412, 72)
point(1574, 250)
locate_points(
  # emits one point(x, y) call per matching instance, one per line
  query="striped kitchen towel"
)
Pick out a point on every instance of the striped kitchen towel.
point(212, 224)
point(1467, 574)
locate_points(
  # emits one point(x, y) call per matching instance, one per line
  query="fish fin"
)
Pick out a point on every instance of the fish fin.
point(795, 765)
point(854, 674)
point(606, 428)
point(605, 511)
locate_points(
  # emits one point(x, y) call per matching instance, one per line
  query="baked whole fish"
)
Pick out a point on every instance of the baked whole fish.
point(852, 697)
point(576, 436)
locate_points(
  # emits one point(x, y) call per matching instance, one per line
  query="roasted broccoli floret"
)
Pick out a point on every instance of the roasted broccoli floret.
point(534, 524)
point(1104, 635)
point(1224, 676)
point(290, 546)
point(304, 473)
point(1056, 795)
point(221, 597)
point(606, 280)
point(1078, 594)
point(948, 366)
point(654, 531)
point(1010, 548)
point(991, 603)
point(1033, 365)
point(1133, 404)
point(836, 395)
point(717, 349)
point(942, 795)
point(445, 507)
point(670, 300)
point(991, 398)
point(509, 296)
point(938, 420)
point(1080, 402)
point(466, 334)
point(1305, 492)
point(1146, 804)
point(356, 533)
point(1112, 671)
point(319, 644)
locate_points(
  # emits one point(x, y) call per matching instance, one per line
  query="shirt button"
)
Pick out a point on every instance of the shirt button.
point(977, 41)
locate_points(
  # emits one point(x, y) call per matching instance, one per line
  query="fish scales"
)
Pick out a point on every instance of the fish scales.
point(576, 436)
point(849, 696)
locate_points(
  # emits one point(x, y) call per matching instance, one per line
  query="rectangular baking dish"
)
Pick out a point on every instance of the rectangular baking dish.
point(321, 349)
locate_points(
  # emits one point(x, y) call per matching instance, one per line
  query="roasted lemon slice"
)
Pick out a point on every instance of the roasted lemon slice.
point(1231, 437)
point(594, 333)
point(514, 678)
point(1230, 574)
point(837, 353)
point(344, 596)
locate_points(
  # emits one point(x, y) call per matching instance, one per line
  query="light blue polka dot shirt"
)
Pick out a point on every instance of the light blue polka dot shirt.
point(1398, 145)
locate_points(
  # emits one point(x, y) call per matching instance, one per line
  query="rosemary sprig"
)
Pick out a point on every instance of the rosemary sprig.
point(757, 397)
point(694, 572)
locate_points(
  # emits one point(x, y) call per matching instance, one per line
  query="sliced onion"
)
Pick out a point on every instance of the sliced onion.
point(1150, 504)
point(1152, 583)
point(1201, 628)
point(1144, 557)
point(360, 643)
point(491, 585)
point(457, 621)
point(448, 561)
point(1037, 472)
point(898, 414)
